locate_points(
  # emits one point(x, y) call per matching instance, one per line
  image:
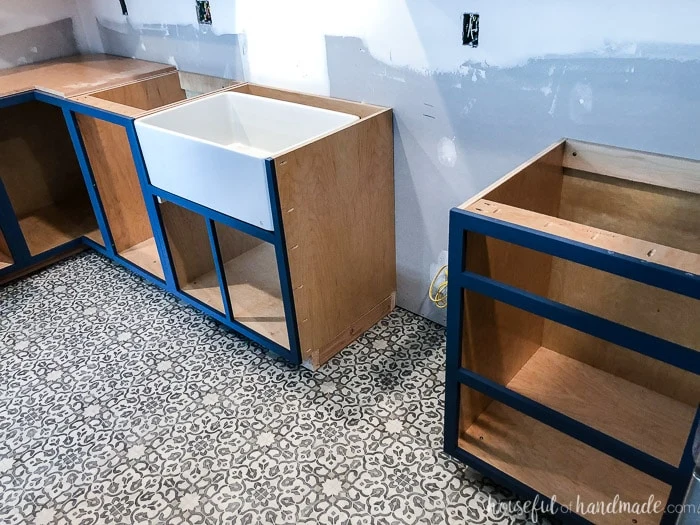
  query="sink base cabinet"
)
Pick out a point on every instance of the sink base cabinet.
point(573, 365)
point(336, 198)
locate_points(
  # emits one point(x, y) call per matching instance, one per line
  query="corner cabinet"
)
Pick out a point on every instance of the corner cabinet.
point(573, 347)
point(269, 210)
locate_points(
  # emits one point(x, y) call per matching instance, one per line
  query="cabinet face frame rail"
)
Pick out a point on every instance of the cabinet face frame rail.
point(23, 259)
point(464, 221)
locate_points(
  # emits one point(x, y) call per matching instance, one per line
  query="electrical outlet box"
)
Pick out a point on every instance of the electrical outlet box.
point(470, 29)
point(203, 12)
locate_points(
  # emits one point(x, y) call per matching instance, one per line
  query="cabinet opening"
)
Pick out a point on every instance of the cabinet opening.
point(143, 96)
point(645, 403)
point(191, 254)
point(5, 255)
point(110, 156)
point(252, 283)
point(43, 179)
point(555, 464)
point(120, 192)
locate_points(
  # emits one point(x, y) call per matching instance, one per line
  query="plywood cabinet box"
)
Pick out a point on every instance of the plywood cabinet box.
point(574, 329)
point(269, 210)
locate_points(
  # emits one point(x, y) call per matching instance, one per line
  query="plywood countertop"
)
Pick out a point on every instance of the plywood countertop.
point(76, 75)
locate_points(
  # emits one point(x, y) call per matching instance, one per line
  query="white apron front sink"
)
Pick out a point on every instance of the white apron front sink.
point(212, 151)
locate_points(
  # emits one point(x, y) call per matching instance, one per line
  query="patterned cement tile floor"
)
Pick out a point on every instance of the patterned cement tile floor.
point(120, 404)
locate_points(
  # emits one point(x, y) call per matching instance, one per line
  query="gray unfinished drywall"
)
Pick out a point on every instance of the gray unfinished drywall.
point(455, 133)
point(34, 44)
point(185, 46)
point(36, 30)
point(625, 73)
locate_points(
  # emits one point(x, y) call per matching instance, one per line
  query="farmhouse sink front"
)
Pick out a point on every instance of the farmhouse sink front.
point(213, 150)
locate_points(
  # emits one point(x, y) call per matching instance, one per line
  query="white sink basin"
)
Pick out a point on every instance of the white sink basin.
point(212, 151)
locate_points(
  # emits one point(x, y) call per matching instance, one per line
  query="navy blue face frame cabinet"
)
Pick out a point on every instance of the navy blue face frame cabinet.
point(573, 332)
point(305, 289)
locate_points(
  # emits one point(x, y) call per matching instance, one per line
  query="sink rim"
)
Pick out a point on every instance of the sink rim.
point(144, 121)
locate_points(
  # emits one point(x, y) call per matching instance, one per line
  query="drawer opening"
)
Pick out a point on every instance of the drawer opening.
point(43, 178)
point(5, 254)
point(555, 464)
point(645, 403)
point(191, 254)
point(605, 194)
point(252, 283)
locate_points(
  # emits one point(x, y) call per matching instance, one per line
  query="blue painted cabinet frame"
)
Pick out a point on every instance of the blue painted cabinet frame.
point(462, 222)
point(23, 259)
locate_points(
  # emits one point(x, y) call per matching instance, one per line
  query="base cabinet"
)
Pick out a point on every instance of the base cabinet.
point(573, 368)
point(304, 282)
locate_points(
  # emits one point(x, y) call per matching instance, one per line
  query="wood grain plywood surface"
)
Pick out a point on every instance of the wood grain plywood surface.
point(633, 414)
point(117, 182)
point(553, 463)
point(77, 75)
point(337, 200)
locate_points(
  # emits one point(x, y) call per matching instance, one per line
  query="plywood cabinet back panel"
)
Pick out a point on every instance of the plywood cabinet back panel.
point(39, 166)
point(146, 94)
point(651, 213)
point(188, 240)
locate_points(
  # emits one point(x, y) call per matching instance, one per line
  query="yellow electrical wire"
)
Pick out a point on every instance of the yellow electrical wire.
point(439, 299)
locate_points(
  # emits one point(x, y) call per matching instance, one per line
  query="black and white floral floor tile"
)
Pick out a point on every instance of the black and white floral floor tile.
point(119, 404)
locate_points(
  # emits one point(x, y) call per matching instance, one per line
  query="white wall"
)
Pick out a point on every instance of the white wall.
point(286, 39)
point(622, 72)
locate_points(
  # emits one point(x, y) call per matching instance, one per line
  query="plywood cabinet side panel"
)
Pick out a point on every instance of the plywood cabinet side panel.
point(337, 199)
point(661, 215)
point(39, 166)
point(550, 159)
point(499, 339)
point(537, 187)
point(146, 94)
point(652, 374)
point(108, 150)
